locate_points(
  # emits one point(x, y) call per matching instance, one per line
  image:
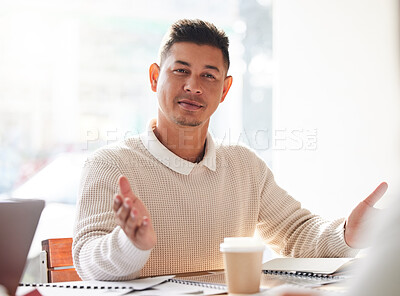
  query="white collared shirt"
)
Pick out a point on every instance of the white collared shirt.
point(173, 161)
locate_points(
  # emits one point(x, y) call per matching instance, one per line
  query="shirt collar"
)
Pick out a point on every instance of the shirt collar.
point(173, 161)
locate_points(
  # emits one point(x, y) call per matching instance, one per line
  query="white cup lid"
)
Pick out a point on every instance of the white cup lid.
point(242, 244)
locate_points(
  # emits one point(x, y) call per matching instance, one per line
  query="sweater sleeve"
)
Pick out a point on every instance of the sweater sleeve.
point(294, 231)
point(101, 250)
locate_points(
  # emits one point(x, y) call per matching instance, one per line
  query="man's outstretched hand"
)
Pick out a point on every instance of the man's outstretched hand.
point(133, 217)
point(355, 224)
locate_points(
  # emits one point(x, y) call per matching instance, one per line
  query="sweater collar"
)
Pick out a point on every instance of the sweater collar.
point(173, 161)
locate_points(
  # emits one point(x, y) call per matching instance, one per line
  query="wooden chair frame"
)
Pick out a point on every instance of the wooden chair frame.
point(56, 264)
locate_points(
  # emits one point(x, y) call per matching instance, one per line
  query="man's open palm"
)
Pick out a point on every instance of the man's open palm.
point(133, 217)
point(355, 224)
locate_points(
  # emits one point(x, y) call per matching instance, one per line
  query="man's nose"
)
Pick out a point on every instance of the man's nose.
point(193, 85)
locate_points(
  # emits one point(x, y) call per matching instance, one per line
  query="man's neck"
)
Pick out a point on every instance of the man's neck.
point(186, 142)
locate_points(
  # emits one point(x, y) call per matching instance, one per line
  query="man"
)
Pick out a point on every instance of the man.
point(179, 193)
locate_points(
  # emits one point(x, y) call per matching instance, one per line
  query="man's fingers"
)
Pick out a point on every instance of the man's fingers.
point(117, 202)
point(132, 223)
point(146, 221)
point(376, 195)
point(142, 231)
point(123, 212)
point(143, 225)
point(125, 188)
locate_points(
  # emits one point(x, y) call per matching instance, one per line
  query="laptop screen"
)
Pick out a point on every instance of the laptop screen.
point(18, 222)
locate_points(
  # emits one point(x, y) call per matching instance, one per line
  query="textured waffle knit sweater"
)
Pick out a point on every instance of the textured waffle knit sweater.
point(231, 192)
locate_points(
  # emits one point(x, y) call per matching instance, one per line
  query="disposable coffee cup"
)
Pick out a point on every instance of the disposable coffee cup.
point(242, 262)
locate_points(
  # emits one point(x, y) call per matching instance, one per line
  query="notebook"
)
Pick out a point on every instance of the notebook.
point(212, 280)
point(310, 267)
point(18, 222)
point(217, 282)
point(305, 272)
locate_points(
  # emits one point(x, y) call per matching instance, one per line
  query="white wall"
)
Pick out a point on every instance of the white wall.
point(338, 72)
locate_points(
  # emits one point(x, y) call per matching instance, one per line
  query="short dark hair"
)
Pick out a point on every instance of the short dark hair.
point(196, 31)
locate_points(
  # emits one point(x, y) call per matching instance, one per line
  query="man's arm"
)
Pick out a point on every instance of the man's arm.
point(101, 249)
point(294, 231)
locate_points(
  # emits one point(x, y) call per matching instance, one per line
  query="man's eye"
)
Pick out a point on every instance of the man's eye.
point(180, 71)
point(209, 76)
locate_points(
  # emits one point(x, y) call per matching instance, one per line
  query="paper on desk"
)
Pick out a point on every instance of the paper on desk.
point(56, 291)
point(93, 287)
point(138, 284)
point(171, 289)
point(297, 290)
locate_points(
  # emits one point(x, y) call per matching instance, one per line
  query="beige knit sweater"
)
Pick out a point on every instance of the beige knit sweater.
point(193, 207)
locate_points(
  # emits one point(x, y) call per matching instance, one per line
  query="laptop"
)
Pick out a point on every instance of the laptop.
point(18, 222)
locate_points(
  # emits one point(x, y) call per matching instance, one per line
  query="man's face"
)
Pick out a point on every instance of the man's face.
point(190, 83)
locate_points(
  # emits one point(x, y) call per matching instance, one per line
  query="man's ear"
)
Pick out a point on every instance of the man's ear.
point(154, 72)
point(227, 85)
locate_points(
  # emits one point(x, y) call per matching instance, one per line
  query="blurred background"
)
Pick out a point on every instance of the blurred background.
point(315, 93)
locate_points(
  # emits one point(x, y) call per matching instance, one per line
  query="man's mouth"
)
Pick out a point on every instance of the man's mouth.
point(190, 105)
